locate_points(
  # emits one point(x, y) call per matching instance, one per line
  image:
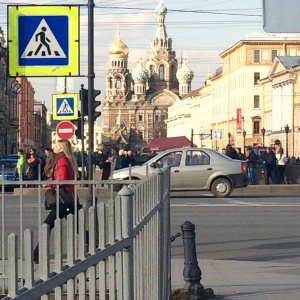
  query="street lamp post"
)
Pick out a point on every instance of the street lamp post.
point(201, 138)
point(287, 129)
point(229, 136)
point(263, 132)
point(244, 136)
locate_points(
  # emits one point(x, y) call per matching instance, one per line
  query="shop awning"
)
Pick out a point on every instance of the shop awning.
point(164, 143)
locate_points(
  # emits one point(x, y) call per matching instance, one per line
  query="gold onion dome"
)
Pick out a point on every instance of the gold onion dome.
point(118, 47)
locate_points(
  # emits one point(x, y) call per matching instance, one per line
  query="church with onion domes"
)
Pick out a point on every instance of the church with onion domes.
point(136, 103)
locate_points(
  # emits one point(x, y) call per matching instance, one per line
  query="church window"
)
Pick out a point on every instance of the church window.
point(110, 82)
point(161, 72)
point(118, 82)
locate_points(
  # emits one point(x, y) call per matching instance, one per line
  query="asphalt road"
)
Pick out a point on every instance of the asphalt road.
point(244, 228)
point(248, 228)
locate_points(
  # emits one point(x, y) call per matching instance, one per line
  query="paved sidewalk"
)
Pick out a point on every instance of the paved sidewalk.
point(239, 280)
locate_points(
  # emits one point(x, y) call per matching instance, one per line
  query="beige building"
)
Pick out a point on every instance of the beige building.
point(281, 104)
point(233, 111)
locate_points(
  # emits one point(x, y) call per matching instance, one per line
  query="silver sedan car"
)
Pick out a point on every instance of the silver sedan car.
point(191, 169)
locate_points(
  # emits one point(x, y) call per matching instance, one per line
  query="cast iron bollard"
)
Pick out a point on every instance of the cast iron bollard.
point(192, 272)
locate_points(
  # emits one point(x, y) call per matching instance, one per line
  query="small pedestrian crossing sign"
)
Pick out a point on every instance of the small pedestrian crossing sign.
point(65, 106)
point(43, 40)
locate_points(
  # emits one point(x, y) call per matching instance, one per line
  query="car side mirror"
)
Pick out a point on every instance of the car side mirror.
point(153, 165)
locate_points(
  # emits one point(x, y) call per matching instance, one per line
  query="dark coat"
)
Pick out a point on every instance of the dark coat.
point(270, 159)
point(232, 154)
point(33, 169)
point(252, 160)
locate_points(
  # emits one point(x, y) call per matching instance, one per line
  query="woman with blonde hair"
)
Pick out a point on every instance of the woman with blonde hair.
point(64, 168)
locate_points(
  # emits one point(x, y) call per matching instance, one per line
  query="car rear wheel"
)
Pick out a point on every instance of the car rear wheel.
point(221, 188)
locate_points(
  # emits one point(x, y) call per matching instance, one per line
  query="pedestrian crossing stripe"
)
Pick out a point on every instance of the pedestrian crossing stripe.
point(43, 40)
point(65, 106)
point(43, 43)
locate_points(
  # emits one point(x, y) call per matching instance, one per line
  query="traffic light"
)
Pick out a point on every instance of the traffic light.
point(84, 101)
point(96, 104)
point(78, 124)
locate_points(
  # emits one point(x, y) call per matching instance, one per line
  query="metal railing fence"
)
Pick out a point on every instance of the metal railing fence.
point(127, 255)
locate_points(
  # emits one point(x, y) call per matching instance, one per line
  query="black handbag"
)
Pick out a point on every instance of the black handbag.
point(66, 198)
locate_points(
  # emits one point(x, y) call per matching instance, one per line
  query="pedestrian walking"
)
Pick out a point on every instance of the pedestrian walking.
point(114, 159)
point(47, 164)
point(22, 165)
point(251, 160)
point(64, 167)
point(281, 161)
point(270, 166)
point(33, 166)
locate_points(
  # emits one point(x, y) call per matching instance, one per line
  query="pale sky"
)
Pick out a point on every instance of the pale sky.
point(200, 29)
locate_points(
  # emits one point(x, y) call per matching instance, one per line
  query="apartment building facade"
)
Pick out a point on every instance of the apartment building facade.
point(235, 112)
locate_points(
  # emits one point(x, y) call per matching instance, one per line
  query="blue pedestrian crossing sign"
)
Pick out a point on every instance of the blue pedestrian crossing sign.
point(43, 41)
point(65, 106)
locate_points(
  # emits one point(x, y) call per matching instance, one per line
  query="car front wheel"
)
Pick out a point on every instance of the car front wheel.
point(221, 188)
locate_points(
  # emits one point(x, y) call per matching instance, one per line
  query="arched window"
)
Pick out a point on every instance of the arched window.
point(110, 82)
point(161, 72)
point(118, 82)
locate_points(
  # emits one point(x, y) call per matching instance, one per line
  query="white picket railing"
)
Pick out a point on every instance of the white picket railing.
point(128, 255)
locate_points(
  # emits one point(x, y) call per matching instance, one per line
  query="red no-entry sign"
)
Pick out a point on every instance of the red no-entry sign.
point(65, 130)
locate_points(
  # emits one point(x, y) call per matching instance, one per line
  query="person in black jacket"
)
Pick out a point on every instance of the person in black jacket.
point(241, 155)
point(251, 160)
point(270, 166)
point(230, 152)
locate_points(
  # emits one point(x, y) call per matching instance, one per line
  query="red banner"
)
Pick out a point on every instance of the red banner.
point(238, 120)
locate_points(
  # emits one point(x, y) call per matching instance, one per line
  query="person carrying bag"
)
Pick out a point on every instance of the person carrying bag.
point(64, 168)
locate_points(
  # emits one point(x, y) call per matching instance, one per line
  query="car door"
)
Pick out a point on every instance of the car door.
point(196, 170)
point(174, 161)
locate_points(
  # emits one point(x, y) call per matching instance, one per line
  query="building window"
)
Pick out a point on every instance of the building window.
point(118, 82)
point(161, 72)
point(256, 101)
point(140, 135)
point(140, 118)
point(256, 56)
point(274, 54)
point(256, 77)
point(256, 127)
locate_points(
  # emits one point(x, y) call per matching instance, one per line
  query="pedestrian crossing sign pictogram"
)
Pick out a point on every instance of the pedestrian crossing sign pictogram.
point(65, 106)
point(43, 40)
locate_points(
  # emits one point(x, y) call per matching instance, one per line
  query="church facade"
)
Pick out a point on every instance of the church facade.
point(136, 103)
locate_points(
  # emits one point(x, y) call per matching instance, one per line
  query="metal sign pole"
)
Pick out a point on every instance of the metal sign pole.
point(91, 77)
